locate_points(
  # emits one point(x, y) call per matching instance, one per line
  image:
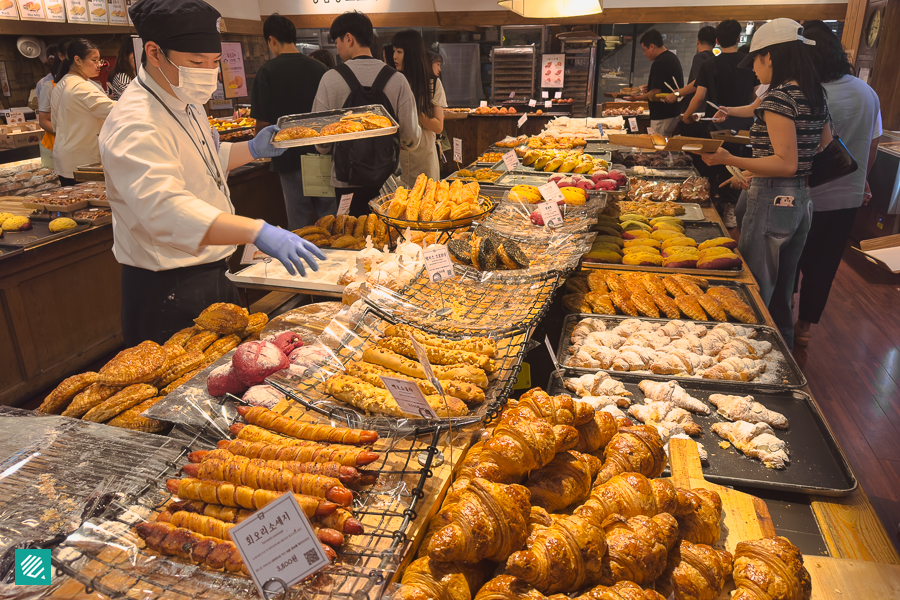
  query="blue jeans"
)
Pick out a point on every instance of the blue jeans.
point(302, 210)
point(772, 240)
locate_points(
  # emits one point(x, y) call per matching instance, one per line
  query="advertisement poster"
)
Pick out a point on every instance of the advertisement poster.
point(233, 77)
point(76, 10)
point(98, 12)
point(32, 10)
point(8, 10)
point(553, 67)
point(118, 15)
point(128, 4)
point(4, 80)
point(55, 10)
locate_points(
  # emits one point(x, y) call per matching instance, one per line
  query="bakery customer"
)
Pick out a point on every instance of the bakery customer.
point(78, 108)
point(286, 85)
point(856, 114)
point(123, 71)
point(323, 56)
point(360, 167)
point(666, 69)
point(412, 60)
point(44, 88)
point(706, 41)
point(173, 221)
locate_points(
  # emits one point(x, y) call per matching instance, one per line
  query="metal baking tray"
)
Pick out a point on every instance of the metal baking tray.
point(818, 466)
point(792, 376)
point(9, 250)
point(500, 165)
point(326, 117)
point(739, 288)
point(699, 231)
point(38, 234)
point(679, 173)
point(455, 175)
point(510, 179)
point(63, 208)
point(51, 216)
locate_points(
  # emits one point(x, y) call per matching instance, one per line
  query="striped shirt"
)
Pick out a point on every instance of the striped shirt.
point(788, 100)
point(117, 85)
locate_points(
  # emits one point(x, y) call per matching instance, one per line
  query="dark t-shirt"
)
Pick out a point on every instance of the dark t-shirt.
point(286, 85)
point(726, 84)
point(664, 68)
point(696, 63)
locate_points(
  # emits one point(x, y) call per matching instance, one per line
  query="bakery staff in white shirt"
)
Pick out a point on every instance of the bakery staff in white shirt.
point(173, 222)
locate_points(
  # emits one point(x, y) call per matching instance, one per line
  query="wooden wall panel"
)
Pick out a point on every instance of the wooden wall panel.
point(853, 24)
point(885, 79)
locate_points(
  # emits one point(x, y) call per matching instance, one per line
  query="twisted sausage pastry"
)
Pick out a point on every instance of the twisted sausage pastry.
point(262, 416)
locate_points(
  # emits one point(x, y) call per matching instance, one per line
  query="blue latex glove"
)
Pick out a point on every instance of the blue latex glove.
point(289, 248)
point(261, 146)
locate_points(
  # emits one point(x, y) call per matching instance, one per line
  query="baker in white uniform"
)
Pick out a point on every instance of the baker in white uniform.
point(173, 221)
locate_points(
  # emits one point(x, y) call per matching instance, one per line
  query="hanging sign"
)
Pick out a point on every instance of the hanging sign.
point(233, 77)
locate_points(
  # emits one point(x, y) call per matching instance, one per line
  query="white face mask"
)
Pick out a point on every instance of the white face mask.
point(196, 86)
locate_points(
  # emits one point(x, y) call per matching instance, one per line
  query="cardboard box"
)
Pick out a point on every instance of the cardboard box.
point(19, 136)
point(673, 144)
point(882, 251)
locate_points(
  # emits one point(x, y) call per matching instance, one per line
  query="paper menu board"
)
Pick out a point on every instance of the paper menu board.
point(553, 67)
point(98, 11)
point(76, 11)
point(8, 10)
point(118, 14)
point(32, 10)
point(233, 77)
point(55, 10)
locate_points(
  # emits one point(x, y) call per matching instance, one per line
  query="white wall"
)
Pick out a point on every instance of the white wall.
point(237, 9)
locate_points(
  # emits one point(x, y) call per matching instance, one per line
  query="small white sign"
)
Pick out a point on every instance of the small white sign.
point(15, 117)
point(550, 213)
point(511, 160)
point(437, 262)
point(651, 131)
point(252, 255)
point(512, 94)
point(632, 124)
point(545, 94)
point(522, 120)
point(457, 150)
point(483, 104)
point(344, 206)
point(409, 397)
point(277, 542)
point(548, 104)
point(557, 95)
point(551, 192)
point(532, 103)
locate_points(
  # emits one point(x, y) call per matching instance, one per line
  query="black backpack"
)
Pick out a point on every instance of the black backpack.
point(367, 162)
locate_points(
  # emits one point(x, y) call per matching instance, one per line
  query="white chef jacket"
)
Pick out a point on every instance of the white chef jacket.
point(162, 195)
point(78, 108)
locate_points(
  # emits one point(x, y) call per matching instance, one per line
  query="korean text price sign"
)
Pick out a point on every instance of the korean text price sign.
point(278, 545)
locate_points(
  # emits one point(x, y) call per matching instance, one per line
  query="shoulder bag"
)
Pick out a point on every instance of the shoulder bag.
point(833, 162)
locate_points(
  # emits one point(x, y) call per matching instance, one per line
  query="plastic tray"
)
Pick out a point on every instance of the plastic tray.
point(318, 120)
point(792, 376)
point(818, 466)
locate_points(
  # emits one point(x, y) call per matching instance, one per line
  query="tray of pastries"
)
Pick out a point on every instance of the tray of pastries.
point(340, 125)
point(433, 205)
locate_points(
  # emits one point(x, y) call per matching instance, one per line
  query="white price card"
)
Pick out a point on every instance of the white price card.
point(14, 117)
point(522, 120)
point(651, 131)
point(344, 206)
point(511, 160)
point(252, 255)
point(545, 94)
point(512, 94)
point(557, 95)
point(551, 192)
point(548, 104)
point(550, 213)
point(483, 104)
point(457, 150)
point(278, 545)
point(532, 103)
point(409, 397)
point(437, 262)
point(632, 124)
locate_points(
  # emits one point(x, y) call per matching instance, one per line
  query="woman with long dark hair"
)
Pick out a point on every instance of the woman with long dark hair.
point(856, 114)
point(124, 70)
point(412, 60)
point(78, 108)
point(790, 127)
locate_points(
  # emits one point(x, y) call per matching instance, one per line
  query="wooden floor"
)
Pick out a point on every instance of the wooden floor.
point(853, 367)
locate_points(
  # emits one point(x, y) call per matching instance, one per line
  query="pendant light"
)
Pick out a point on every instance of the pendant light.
point(552, 9)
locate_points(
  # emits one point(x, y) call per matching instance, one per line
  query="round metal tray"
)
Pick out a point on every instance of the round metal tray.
point(488, 204)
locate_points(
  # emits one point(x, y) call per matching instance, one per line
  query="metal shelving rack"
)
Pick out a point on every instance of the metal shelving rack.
point(514, 70)
point(581, 64)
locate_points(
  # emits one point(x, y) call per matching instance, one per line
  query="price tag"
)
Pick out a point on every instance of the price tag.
point(278, 543)
point(557, 95)
point(600, 127)
point(512, 94)
point(511, 160)
point(550, 213)
point(437, 262)
point(550, 349)
point(548, 104)
point(457, 150)
point(522, 120)
point(532, 103)
point(483, 104)
point(344, 206)
point(551, 192)
point(650, 131)
point(632, 124)
point(252, 255)
point(409, 397)
point(422, 355)
point(14, 117)
point(545, 94)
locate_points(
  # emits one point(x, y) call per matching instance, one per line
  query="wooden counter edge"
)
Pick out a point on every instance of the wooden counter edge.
point(852, 529)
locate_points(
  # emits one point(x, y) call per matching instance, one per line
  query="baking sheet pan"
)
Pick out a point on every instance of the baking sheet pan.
point(786, 374)
point(272, 273)
point(817, 464)
point(320, 119)
point(38, 234)
point(9, 250)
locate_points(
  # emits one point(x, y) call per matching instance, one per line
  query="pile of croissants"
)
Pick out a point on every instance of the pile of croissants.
point(561, 501)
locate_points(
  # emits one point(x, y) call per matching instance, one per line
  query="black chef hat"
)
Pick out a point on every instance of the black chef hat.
point(180, 25)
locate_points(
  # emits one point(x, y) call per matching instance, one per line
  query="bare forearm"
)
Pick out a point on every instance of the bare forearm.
point(688, 89)
point(768, 166)
point(240, 155)
point(432, 124)
point(645, 96)
point(744, 111)
point(696, 101)
point(231, 230)
point(873, 154)
point(45, 122)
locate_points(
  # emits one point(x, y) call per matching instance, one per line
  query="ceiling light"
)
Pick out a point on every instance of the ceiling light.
point(551, 9)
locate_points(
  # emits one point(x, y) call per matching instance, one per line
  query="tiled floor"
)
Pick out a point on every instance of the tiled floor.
point(853, 367)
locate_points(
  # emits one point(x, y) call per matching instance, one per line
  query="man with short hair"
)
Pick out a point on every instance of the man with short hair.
point(666, 69)
point(286, 85)
point(706, 41)
point(354, 37)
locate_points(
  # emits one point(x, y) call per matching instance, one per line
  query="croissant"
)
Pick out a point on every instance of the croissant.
point(262, 416)
point(736, 369)
point(564, 481)
point(665, 412)
point(479, 345)
point(695, 572)
point(671, 391)
point(488, 522)
point(636, 449)
point(228, 494)
point(165, 538)
point(632, 494)
point(241, 471)
point(770, 569)
point(702, 525)
point(624, 590)
point(426, 579)
point(745, 408)
point(596, 433)
point(507, 587)
point(345, 455)
point(563, 557)
point(557, 410)
point(638, 547)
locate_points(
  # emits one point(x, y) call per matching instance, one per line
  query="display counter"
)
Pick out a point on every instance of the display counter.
point(479, 132)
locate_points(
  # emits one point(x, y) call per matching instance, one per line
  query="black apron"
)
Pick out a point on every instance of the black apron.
point(156, 304)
